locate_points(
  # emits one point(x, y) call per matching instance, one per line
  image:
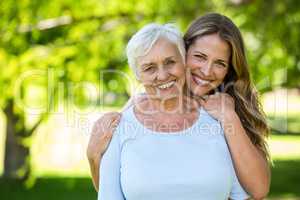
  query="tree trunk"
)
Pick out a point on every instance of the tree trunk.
point(16, 161)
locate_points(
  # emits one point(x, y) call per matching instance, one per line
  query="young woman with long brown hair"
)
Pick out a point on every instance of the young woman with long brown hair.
point(215, 61)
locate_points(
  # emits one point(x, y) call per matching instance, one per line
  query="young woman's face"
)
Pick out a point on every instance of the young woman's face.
point(207, 64)
point(162, 70)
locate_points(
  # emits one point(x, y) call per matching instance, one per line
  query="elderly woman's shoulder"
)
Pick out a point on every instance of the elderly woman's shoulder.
point(127, 128)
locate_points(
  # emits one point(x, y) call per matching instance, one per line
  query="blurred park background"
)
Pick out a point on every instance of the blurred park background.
point(58, 62)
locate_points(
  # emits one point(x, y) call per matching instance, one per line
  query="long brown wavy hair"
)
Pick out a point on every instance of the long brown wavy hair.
point(237, 81)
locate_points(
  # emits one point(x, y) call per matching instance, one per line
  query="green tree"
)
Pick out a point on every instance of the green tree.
point(49, 45)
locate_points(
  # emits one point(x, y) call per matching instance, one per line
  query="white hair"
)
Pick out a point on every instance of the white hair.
point(142, 41)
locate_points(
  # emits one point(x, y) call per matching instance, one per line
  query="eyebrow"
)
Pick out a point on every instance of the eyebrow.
point(151, 63)
point(199, 52)
point(148, 64)
point(169, 58)
point(218, 60)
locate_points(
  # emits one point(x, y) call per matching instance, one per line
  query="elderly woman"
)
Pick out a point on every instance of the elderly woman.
point(215, 60)
point(163, 147)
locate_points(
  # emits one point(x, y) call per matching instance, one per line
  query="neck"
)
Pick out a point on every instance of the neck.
point(172, 105)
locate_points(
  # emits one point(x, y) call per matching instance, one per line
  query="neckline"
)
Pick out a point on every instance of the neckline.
point(184, 132)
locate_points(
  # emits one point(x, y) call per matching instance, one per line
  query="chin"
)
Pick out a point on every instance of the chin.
point(164, 94)
point(168, 94)
point(200, 91)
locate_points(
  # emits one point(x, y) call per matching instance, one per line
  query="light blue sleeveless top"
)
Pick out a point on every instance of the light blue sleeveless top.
point(193, 164)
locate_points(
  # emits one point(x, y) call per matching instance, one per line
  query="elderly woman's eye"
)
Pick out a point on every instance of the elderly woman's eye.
point(147, 69)
point(199, 57)
point(170, 62)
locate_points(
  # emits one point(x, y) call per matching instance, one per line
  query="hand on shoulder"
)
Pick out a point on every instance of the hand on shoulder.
point(220, 106)
point(101, 134)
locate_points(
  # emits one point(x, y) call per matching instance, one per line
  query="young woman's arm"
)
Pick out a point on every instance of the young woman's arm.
point(251, 166)
point(101, 135)
point(99, 140)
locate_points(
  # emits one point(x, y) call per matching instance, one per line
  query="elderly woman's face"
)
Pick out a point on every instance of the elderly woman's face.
point(161, 70)
point(207, 63)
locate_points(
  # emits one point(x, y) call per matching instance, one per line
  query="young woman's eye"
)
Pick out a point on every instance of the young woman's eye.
point(222, 65)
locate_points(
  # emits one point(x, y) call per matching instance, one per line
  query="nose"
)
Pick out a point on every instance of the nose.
point(162, 74)
point(206, 68)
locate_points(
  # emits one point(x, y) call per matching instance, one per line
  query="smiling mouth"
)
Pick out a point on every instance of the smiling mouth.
point(200, 81)
point(166, 85)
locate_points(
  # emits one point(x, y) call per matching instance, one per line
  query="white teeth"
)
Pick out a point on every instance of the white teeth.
point(200, 81)
point(166, 85)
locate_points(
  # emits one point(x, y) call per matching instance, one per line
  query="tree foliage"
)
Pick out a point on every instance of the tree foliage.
point(50, 51)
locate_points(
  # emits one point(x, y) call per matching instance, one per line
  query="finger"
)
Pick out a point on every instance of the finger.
point(114, 125)
point(108, 132)
point(104, 121)
point(113, 129)
point(96, 128)
point(103, 126)
point(215, 95)
point(114, 118)
point(117, 115)
point(114, 122)
point(109, 116)
point(202, 102)
point(204, 97)
point(107, 136)
point(117, 118)
point(108, 119)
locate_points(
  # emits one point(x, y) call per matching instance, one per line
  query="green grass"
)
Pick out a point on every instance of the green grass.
point(285, 179)
point(51, 188)
point(285, 151)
